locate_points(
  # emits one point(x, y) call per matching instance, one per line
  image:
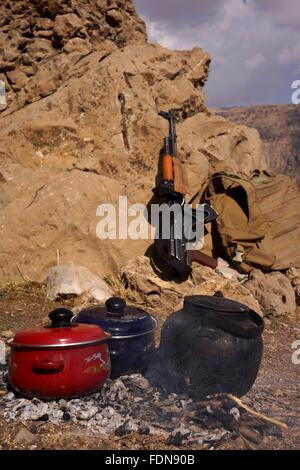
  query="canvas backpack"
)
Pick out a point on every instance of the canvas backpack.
point(259, 219)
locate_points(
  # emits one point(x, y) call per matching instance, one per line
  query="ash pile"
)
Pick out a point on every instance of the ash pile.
point(130, 405)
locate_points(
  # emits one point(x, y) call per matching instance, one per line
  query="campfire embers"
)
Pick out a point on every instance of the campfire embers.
point(130, 405)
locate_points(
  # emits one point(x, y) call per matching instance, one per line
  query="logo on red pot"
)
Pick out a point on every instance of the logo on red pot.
point(96, 363)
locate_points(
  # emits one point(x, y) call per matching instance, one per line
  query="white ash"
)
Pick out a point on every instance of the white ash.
point(2, 351)
point(236, 413)
point(123, 406)
point(3, 373)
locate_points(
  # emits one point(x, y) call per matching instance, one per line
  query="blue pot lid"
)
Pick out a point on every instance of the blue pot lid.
point(118, 319)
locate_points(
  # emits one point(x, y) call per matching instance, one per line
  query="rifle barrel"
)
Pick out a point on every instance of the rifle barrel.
point(172, 138)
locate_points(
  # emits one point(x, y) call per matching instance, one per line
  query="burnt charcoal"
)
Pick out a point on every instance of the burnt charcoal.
point(144, 430)
point(44, 418)
point(227, 420)
point(66, 416)
point(36, 401)
point(121, 430)
point(210, 423)
point(130, 426)
point(227, 405)
point(177, 438)
point(251, 434)
point(235, 434)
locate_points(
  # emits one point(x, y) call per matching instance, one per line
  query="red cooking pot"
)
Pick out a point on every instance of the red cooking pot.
point(63, 360)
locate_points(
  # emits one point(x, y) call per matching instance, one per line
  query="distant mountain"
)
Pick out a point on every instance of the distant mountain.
point(279, 128)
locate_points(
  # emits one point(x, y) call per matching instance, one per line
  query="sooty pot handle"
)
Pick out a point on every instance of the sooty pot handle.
point(60, 317)
point(115, 306)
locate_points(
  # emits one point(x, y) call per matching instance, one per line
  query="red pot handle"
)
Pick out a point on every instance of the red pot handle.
point(47, 365)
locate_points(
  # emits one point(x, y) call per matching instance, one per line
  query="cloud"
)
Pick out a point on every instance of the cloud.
point(255, 61)
point(290, 55)
point(284, 14)
point(254, 44)
point(177, 13)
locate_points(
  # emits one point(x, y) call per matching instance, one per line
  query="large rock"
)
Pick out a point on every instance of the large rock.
point(53, 212)
point(17, 78)
point(66, 281)
point(66, 26)
point(41, 29)
point(278, 126)
point(208, 143)
point(273, 291)
point(40, 49)
point(293, 274)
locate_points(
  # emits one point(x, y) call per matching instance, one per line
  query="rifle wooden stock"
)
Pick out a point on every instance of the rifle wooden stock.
point(179, 185)
point(205, 260)
point(167, 168)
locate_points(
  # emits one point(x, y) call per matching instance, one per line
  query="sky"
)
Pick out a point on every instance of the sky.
point(254, 44)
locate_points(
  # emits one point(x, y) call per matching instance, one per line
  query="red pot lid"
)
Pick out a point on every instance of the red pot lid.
point(60, 334)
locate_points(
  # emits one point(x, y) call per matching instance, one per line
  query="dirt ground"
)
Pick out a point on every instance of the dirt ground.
point(276, 392)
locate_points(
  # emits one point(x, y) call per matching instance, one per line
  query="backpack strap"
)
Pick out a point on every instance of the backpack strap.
point(239, 253)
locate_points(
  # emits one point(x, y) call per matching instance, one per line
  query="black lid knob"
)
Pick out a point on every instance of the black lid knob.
point(60, 317)
point(115, 306)
point(218, 293)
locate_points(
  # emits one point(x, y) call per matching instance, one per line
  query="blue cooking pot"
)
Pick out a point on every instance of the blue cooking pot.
point(132, 334)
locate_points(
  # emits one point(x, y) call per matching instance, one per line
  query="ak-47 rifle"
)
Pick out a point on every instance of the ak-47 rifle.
point(171, 190)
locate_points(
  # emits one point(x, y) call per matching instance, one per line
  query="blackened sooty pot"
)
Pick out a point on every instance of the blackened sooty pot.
point(132, 334)
point(59, 361)
point(213, 345)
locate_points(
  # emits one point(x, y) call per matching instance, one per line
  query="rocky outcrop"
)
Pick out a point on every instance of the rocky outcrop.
point(273, 291)
point(97, 136)
point(293, 274)
point(278, 127)
point(82, 128)
point(42, 40)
